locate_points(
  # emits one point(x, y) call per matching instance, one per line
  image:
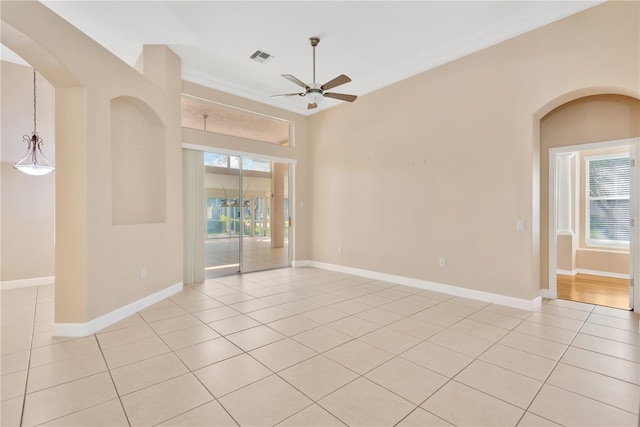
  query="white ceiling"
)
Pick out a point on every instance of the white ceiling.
point(376, 43)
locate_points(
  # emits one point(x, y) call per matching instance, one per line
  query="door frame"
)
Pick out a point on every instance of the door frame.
point(634, 245)
point(291, 191)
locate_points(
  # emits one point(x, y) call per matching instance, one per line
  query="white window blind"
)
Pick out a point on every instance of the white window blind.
point(608, 183)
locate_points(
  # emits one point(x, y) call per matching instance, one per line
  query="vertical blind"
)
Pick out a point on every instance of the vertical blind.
point(608, 205)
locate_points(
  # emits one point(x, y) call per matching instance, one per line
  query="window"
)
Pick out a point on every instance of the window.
point(233, 162)
point(608, 187)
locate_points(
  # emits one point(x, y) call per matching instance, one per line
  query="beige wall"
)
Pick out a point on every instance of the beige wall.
point(443, 164)
point(587, 119)
point(97, 263)
point(28, 202)
point(299, 151)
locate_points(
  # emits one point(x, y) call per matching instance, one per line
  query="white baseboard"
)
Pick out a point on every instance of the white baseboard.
point(523, 304)
point(544, 293)
point(301, 263)
point(593, 273)
point(25, 283)
point(92, 326)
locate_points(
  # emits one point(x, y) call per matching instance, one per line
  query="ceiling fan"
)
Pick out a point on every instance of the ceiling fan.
point(315, 93)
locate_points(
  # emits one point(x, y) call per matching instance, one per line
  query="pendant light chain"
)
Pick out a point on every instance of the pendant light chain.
point(34, 102)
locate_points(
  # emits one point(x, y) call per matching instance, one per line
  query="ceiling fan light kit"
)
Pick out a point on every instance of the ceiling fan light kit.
point(314, 94)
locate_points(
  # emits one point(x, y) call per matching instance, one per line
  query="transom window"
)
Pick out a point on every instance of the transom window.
point(233, 162)
point(608, 188)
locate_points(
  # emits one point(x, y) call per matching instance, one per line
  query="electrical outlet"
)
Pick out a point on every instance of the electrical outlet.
point(442, 262)
point(143, 273)
point(339, 250)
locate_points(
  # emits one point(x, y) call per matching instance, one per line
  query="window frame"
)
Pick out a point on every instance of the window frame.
point(602, 243)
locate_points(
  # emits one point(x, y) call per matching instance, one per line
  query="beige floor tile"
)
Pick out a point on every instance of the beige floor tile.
point(480, 330)
point(437, 317)
point(207, 353)
point(556, 321)
point(479, 409)
point(13, 385)
point(415, 328)
point(507, 311)
point(293, 325)
point(213, 314)
point(163, 401)
point(200, 305)
point(519, 361)
point(209, 414)
point(455, 309)
point(353, 326)
point(66, 370)
point(364, 403)
point(531, 344)
point(407, 379)
point(603, 364)
point(390, 340)
point(359, 356)
point(380, 316)
point(608, 347)
point(46, 338)
point(322, 338)
point(469, 302)
point(190, 336)
point(270, 314)
point(421, 301)
point(565, 312)
point(318, 376)
point(173, 324)
point(250, 305)
point(615, 322)
point(614, 334)
point(312, 416)
point(422, 418)
point(324, 315)
point(134, 352)
point(438, 359)
point(127, 322)
point(501, 383)
point(462, 343)
point(66, 350)
point(229, 375)
point(163, 313)
point(611, 391)
point(107, 414)
point(124, 336)
point(351, 307)
point(371, 300)
point(401, 307)
point(10, 412)
point(570, 409)
point(233, 324)
point(616, 312)
point(562, 336)
point(236, 298)
point(533, 420)
point(147, 372)
point(571, 304)
point(282, 354)
point(55, 402)
point(266, 402)
point(14, 362)
point(253, 338)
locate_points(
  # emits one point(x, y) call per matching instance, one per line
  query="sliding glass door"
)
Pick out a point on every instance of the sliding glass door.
point(246, 214)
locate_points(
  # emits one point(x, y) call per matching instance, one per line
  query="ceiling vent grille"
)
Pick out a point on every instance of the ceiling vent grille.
point(261, 57)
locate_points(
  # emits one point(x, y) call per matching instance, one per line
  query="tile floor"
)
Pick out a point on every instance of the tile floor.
point(307, 347)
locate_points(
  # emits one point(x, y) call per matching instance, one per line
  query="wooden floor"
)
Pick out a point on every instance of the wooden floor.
point(599, 290)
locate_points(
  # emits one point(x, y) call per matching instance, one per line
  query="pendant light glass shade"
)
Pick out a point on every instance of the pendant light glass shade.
point(34, 162)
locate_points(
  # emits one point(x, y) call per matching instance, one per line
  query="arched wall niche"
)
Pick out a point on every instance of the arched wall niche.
point(579, 117)
point(137, 163)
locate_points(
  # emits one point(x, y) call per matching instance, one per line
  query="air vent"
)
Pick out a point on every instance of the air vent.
point(261, 57)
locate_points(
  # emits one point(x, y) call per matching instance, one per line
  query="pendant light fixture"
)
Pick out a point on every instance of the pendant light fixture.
point(34, 162)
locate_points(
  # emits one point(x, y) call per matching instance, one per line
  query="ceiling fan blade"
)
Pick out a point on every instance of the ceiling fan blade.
point(342, 96)
point(295, 80)
point(311, 106)
point(340, 80)
point(287, 94)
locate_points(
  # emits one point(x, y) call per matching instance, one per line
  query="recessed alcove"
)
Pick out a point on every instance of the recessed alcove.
point(137, 163)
